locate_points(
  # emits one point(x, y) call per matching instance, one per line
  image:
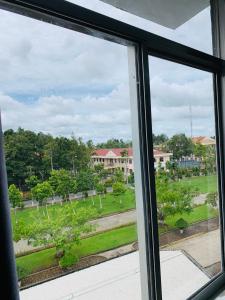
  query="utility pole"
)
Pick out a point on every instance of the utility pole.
point(191, 121)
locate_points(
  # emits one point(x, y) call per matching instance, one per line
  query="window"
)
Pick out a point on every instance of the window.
point(39, 72)
point(187, 195)
point(71, 99)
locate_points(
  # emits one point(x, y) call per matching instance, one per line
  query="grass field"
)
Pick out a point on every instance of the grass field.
point(199, 213)
point(204, 184)
point(110, 203)
point(115, 237)
point(104, 241)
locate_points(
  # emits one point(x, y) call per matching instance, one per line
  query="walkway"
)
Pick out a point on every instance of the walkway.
point(102, 224)
point(204, 248)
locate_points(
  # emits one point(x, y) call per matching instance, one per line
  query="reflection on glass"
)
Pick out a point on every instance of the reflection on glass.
point(186, 177)
point(171, 19)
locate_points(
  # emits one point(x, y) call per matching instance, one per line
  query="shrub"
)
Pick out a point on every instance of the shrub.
point(181, 224)
point(212, 199)
point(22, 272)
point(68, 260)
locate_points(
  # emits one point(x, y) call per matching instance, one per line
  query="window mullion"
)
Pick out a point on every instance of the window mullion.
point(149, 179)
point(8, 277)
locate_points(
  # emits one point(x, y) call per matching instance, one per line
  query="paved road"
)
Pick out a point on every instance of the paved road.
point(200, 199)
point(102, 224)
point(113, 221)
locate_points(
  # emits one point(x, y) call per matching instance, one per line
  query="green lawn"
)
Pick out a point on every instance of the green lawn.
point(199, 213)
point(105, 241)
point(108, 240)
point(204, 184)
point(116, 237)
point(111, 204)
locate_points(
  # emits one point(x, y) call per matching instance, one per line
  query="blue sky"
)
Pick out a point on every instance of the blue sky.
point(62, 82)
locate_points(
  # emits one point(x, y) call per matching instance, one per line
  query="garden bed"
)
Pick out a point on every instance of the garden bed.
point(55, 272)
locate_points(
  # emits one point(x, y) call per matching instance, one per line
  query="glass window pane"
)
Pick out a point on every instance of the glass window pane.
point(186, 181)
point(66, 112)
point(189, 25)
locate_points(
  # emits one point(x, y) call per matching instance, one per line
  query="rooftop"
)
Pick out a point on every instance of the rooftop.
point(203, 140)
point(118, 152)
point(120, 279)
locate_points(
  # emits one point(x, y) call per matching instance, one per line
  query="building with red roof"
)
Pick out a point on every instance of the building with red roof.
point(204, 140)
point(122, 158)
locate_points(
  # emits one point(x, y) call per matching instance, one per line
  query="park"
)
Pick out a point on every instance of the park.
point(69, 213)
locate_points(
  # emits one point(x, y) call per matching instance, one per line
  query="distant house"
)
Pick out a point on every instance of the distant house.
point(204, 140)
point(122, 158)
point(192, 161)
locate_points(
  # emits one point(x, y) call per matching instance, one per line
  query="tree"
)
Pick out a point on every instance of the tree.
point(62, 231)
point(159, 139)
point(181, 224)
point(118, 176)
point(32, 181)
point(131, 179)
point(41, 192)
point(100, 171)
point(172, 167)
point(100, 190)
point(180, 146)
point(86, 180)
point(15, 197)
point(119, 189)
point(29, 153)
point(209, 160)
point(73, 154)
point(63, 183)
point(199, 151)
point(124, 154)
point(49, 153)
point(115, 143)
point(172, 201)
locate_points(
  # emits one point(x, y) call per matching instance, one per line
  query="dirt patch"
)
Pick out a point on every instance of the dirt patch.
point(200, 227)
point(56, 272)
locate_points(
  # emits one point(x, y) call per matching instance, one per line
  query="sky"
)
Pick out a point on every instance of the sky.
point(62, 82)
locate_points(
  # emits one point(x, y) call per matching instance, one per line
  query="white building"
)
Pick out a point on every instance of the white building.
point(122, 158)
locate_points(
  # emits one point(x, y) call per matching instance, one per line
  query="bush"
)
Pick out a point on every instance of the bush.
point(181, 224)
point(22, 272)
point(68, 260)
point(212, 199)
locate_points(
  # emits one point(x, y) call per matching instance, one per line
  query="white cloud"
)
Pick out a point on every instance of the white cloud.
point(62, 116)
point(59, 81)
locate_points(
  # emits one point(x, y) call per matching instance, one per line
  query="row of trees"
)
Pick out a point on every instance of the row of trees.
point(182, 146)
point(62, 183)
point(29, 153)
point(114, 143)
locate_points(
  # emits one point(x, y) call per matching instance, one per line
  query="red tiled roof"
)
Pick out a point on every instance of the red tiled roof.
point(198, 139)
point(118, 152)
